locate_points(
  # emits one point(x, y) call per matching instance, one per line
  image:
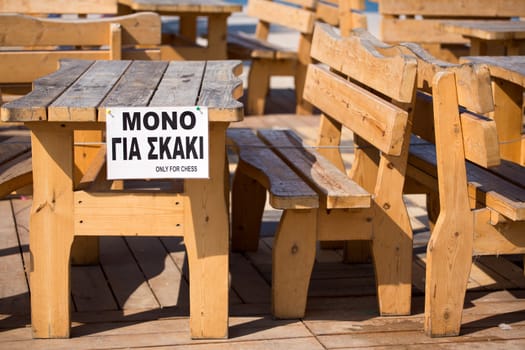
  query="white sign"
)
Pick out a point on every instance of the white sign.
point(157, 143)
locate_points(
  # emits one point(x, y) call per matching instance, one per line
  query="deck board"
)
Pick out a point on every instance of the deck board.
point(137, 297)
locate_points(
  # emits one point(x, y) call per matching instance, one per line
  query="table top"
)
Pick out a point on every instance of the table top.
point(82, 90)
point(511, 68)
point(177, 6)
point(486, 29)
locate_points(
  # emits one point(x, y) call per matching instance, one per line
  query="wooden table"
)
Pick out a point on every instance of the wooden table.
point(508, 74)
point(77, 97)
point(184, 44)
point(487, 35)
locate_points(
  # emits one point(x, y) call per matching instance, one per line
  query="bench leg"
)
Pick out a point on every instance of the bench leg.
point(248, 200)
point(392, 254)
point(51, 228)
point(258, 86)
point(392, 239)
point(206, 237)
point(302, 107)
point(449, 251)
point(293, 259)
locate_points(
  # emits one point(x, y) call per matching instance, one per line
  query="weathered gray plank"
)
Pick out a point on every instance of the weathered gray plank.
point(46, 90)
point(180, 85)
point(80, 101)
point(221, 87)
point(136, 87)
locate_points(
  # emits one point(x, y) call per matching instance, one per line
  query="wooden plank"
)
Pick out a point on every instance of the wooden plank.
point(335, 187)
point(136, 86)
point(60, 6)
point(165, 7)
point(249, 332)
point(164, 277)
point(487, 30)
point(139, 28)
point(217, 74)
point(15, 63)
point(374, 69)
point(79, 101)
point(474, 92)
point(483, 186)
point(125, 278)
point(508, 68)
point(289, 16)
point(13, 147)
point(180, 85)
point(16, 173)
point(89, 289)
point(480, 8)
point(426, 31)
point(247, 281)
point(452, 237)
point(151, 214)
point(367, 115)
point(408, 338)
point(46, 90)
point(287, 189)
point(52, 148)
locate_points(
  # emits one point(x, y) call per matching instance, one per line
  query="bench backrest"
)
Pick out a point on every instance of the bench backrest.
point(345, 14)
point(371, 94)
point(293, 14)
point(474, 95)
point(39, 7)
point(418, 21)
point(32, 46)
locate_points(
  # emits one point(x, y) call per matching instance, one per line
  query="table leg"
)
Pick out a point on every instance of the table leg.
point(206, 236)
point(51, 230)
point(188, 27)
point(217, 32)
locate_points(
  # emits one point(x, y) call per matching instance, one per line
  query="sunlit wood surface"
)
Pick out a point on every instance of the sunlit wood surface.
point(137, 296)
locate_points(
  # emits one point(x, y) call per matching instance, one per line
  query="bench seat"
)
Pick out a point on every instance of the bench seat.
point(365, 204)
point(243, 46)
point(15, 164)
point(287, 190)
point(500, 188)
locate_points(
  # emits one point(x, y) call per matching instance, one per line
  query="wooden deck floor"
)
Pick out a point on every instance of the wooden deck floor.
point(137, 297)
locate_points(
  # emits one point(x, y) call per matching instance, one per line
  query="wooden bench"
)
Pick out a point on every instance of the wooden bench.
point(508, 83)
point(269, 59)
point(319, 200)
point(56, 7)
point(476, 199)
point(418, 21)
point(25, 58)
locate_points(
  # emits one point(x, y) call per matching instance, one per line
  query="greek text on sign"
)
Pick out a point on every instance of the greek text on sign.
point(156, 142)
